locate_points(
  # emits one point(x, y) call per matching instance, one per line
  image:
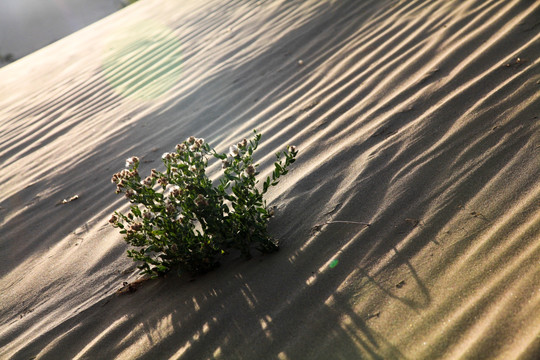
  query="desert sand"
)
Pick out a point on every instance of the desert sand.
point(420, 118)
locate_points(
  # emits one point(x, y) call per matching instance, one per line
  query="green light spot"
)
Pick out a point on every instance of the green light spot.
point(333, 263)
point(142, 61)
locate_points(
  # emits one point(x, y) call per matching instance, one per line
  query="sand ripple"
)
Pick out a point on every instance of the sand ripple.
point(417, 117)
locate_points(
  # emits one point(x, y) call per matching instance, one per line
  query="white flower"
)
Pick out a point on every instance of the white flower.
point(243, 143)
point(227, 162)
point(169, 206)
point(166, 155)
point(130, 193)
point(180, 148)
point(197, 155)
point(147, 181)
point(173, 191)
point(131, 161)
point(176, 191)
point(233, 150)
point(250, 170)
point(201, 200)
point(135, 226)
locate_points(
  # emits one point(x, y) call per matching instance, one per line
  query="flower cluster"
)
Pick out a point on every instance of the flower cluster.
point(124, 177)
point(178, 218)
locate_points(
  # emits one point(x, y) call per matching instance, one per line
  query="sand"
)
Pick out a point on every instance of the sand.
point(420, 118)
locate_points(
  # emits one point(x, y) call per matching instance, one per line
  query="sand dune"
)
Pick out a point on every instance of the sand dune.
point(417, 117)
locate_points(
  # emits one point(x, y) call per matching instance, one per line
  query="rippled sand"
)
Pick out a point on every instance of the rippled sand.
point(420, 118)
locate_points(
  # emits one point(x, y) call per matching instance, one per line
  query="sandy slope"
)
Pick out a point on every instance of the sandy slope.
point(414, 116)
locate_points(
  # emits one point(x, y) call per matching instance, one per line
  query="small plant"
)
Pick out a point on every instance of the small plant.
point(180, 219)
point(7, 58)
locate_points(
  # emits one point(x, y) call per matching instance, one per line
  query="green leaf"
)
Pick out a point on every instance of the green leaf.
point(136, 211)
